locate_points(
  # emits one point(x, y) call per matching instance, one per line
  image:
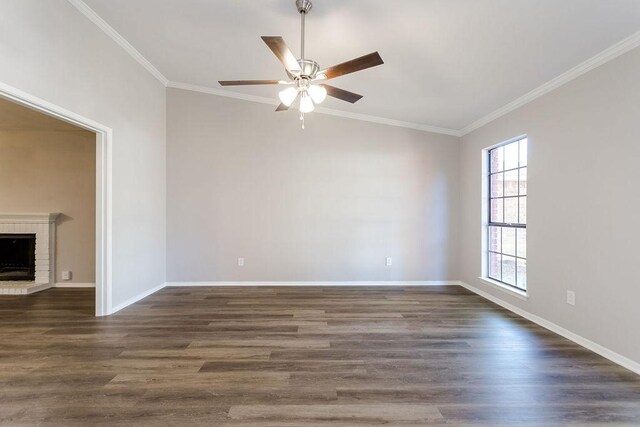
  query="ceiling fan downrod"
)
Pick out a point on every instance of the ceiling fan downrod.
point(304, 7)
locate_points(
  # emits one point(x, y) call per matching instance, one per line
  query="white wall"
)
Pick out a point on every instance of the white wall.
point(583, 207)
point(328, 203)
point(49, 50)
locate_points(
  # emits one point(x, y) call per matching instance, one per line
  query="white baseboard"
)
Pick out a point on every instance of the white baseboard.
point(306, 284)
point(74, 285)
point(590, 345)
point(135, 299)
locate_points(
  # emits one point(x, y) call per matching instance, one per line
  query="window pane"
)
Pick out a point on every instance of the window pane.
point(511, 156)
point(497, 185)
point(522, 274)
point(497, 160)
point(523, 181)
point(523, 210)
point(511, 210)
point(523, 152)
point(511, 183)
point(494, 266)
point(497, 210)
point(509, 270)
point(509, 241)
point(495, 239)
point(522, 242)
point(508, 187)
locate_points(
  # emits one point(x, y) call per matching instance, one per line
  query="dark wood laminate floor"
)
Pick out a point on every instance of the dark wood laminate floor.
point(298, 356)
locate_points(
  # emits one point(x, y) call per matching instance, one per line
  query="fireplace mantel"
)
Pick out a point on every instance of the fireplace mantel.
point(28, 218)
point(43, 225)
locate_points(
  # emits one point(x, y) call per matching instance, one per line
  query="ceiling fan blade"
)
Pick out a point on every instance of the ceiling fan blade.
point(280, 49)
point(342, 94)
point(358, 64)
point(248, 82)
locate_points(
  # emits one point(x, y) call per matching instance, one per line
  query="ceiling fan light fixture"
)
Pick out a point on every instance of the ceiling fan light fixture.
point(303, 72)
point(288, 95)
point(306, 104)
point(318, 94)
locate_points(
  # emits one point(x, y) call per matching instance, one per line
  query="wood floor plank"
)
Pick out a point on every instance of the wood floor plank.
point(264, 343)
point(298, 356)
point(381, 413)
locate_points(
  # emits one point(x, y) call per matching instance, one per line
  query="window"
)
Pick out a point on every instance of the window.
point(507, 214)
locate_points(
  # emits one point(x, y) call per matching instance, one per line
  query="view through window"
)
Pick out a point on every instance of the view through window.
point(507, 233)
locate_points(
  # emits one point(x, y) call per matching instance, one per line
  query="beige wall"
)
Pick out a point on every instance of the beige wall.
point(583, 207)
point(328, 203)
point(54, 172)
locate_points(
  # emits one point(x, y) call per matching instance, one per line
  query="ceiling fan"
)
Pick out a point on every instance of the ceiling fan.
point(305, 75)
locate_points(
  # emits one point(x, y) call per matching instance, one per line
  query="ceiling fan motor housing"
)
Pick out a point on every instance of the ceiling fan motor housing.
point(309, 70)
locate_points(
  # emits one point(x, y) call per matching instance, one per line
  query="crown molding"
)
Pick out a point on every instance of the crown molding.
point(389, 122)
point(321, 110)
point(602, 58)
point(222, 92)
point(128, 47)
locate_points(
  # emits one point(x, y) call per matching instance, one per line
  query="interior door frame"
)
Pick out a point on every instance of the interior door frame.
point(104, 225)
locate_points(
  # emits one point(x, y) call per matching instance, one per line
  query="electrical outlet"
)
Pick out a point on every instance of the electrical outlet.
point(66, 275)
point(571, 298)
point(240, 262)
point(388, 261)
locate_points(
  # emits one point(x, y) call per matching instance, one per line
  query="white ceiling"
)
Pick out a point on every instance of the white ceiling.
point(448, 63)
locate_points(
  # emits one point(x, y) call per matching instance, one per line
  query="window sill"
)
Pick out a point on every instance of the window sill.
point(505, 288)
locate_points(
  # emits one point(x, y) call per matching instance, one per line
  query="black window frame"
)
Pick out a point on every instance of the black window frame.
point(502, 225)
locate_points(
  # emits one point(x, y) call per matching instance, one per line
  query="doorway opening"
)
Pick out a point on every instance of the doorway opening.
point(55, 199)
